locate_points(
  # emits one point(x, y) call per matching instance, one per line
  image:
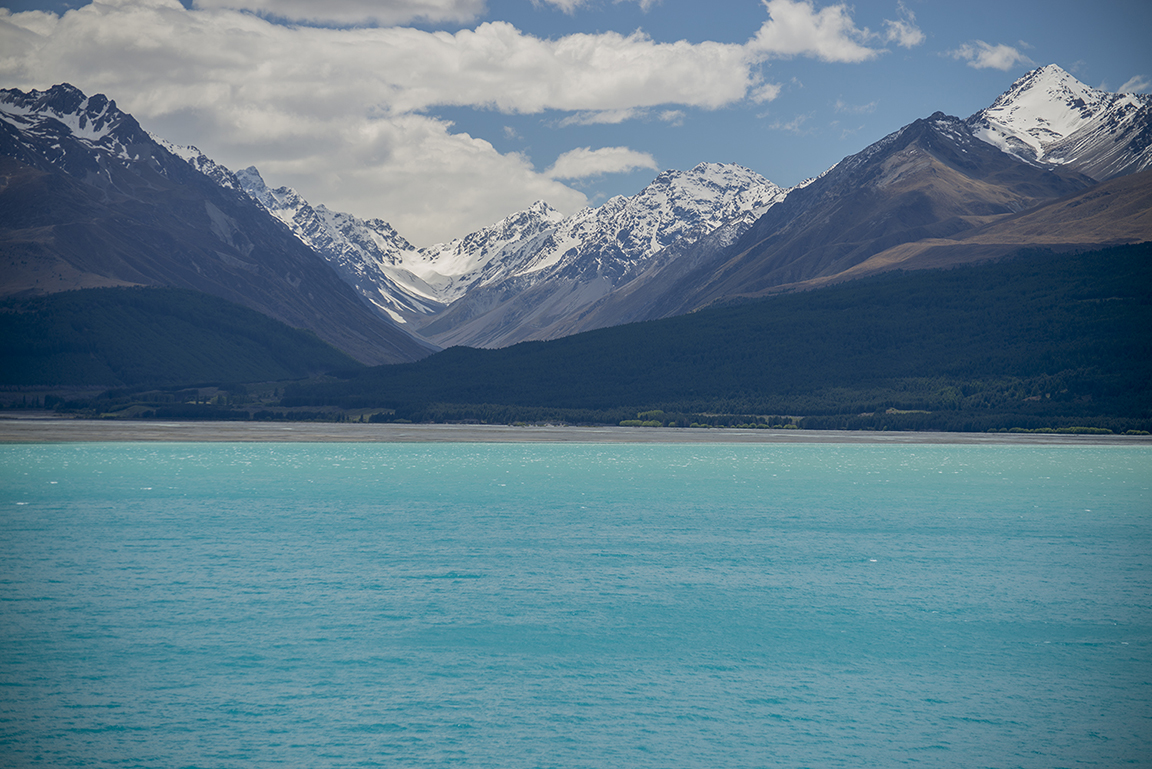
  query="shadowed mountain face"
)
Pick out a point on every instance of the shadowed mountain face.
point(88, 198)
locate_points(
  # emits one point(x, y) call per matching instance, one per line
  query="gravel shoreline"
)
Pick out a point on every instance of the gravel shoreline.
point(33, 429)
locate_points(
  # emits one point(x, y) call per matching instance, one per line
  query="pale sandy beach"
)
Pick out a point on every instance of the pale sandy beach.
point(51, 430)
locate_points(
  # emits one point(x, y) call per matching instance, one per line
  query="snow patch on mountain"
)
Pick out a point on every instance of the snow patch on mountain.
point(91, 120)
point(201, 162)
point(489, 254)
point(87, 137)
point(1050, 117)
point(625, 231)
point(1042, 107)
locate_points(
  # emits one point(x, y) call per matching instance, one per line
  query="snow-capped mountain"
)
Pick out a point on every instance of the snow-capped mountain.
point(618, 238)
point(612, 238)
point(488, 254)
point(88, 138)
point(538, 274)
point(368, 255)
point(1050, 117)
point(529, 288)
point(929, 180)
point(391, 274)
point(587, 254)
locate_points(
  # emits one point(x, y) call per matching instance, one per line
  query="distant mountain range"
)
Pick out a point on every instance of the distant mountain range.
point(90, 199)
point(518, 277)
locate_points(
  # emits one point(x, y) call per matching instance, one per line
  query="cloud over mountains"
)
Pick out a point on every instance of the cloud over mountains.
point(343, 112)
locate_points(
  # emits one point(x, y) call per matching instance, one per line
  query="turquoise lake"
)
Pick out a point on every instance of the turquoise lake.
point(575, 605)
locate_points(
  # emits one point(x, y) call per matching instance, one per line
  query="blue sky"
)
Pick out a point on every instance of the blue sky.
point(441, 116)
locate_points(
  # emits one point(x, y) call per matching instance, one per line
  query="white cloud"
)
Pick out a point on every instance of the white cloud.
point(351, 12)
point(1136, 84)
point(570, 6)
point(340, 114)
point(903, 32)
point(798, 29)
point(604, 117)
point(765, 92)
point(794, 126)
point(585, 161)
point(981, 55)
point(854, 109)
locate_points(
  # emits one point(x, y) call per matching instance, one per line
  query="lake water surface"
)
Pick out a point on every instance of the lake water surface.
point(575, 605)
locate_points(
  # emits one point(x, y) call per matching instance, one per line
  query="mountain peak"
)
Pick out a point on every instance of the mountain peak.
point(90, 118)
point(1050, 86)
point(88, 137)
point(1042, 107)
point(540, 208)
point(1050, 117)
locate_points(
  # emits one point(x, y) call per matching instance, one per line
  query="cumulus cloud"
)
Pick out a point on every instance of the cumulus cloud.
point(903, 32)
point(342, 114)
point(1136, 84)
point(798, 29)
point(981, 55)
point(354, 12)
point(584, 162)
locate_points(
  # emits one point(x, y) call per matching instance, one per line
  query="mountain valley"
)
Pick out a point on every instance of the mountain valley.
point(88, 199)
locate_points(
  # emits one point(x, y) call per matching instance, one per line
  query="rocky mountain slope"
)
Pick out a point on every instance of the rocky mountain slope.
point(90, 199)
point(527, 275)
point(1118, 211)
point(369, 255)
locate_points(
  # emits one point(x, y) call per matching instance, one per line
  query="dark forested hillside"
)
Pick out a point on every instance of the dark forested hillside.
point(1042, 338)
point(159, 336)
